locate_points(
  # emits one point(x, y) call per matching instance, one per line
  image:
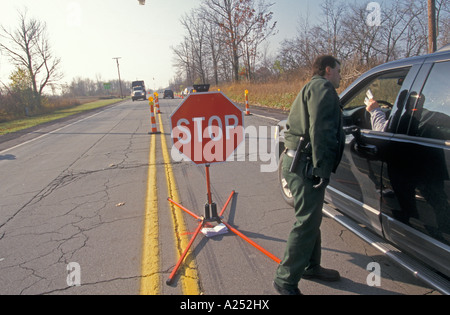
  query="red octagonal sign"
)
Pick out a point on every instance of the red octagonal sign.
point(207, 127)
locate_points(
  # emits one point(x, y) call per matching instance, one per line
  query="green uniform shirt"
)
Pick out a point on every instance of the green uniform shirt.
point(316, 115)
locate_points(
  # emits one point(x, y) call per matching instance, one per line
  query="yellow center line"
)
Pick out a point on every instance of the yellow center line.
point(150, 265)
point(189, 274)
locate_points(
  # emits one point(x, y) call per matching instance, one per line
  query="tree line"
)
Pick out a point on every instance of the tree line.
point(222, 35)
point(37, 69)
point(225, 39)
point(87, 87)
point(29, 49)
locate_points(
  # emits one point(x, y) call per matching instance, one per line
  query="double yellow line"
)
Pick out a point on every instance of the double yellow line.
point(151, 265)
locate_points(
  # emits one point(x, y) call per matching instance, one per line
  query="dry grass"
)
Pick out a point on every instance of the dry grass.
point(279, 94)
point(20, 124)
point(282, 93)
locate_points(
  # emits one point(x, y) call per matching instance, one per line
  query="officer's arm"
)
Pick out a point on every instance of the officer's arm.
point(324, 122)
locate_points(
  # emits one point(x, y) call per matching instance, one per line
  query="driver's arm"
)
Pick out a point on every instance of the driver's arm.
point(377, 116)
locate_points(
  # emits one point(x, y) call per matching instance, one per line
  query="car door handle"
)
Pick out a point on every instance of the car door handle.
point(366, 148)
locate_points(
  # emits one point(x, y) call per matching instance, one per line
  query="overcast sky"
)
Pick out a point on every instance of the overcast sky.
point(87, 34)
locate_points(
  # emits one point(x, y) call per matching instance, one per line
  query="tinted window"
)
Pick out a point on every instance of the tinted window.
point(431, 118)
point(385, 88)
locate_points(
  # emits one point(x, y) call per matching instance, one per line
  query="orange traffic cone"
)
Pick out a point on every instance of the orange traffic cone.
point(157, 105)
point(157, 102)
point(153, 119)
point(247, 109)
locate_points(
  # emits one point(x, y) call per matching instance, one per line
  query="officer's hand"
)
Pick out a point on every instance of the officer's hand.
point(323, 183)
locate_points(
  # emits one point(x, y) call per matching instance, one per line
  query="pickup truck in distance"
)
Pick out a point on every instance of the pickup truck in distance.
point(138, 90)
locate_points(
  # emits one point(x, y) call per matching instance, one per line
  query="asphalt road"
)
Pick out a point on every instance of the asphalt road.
point(84, 210)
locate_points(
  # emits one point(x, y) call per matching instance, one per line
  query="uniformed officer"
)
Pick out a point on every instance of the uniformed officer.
point(315, 116)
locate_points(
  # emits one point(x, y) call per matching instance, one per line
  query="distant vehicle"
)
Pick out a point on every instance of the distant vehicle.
point(200, 88)
point(168, 93)
point(138, 90)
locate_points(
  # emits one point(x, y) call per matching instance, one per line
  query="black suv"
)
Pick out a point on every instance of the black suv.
point(396, 181)
point(168, 93)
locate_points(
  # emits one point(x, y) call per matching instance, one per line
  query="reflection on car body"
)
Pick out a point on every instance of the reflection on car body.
point(395, 181)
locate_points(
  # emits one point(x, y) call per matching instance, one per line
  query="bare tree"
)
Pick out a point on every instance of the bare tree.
point(183, 60)
point(221, 36)
point(28, 46)
point(197, 32)
point(399, 27)
point(238, 20)
point(334, 13)
point(299, 53)
point(226, 14)
point(215, 47)
point(443, 21)
point(257, 28)
point(361, 39)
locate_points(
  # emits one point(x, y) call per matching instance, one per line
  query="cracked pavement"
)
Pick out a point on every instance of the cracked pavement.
point(58, 205)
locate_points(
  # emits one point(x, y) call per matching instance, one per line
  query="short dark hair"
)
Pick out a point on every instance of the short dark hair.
point(322, 62)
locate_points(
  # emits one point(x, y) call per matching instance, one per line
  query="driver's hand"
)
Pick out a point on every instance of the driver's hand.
point(372, 105)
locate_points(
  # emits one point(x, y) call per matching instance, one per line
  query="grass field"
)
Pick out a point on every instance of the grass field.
point(20, 124)
point(275, 94)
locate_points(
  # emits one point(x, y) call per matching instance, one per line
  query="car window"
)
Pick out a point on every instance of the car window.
point(431, 116)
point(385, 89)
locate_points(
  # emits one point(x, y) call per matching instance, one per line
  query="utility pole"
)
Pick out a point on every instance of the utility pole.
point(432, 26)
point(118, 70)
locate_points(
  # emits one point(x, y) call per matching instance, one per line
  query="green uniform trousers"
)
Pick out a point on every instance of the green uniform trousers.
point(303, 249)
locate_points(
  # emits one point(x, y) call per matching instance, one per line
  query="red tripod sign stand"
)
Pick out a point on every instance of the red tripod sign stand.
point(212, 216)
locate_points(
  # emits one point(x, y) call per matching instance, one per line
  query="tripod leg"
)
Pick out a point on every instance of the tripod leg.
point(174, 271)
point(184, 209)
point(245, 238)
point(226, 203)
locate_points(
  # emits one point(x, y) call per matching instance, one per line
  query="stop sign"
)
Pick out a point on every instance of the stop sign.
point(207, 127)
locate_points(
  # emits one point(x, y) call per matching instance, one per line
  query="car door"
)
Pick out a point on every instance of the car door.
point(416, 214)
point(357, 187)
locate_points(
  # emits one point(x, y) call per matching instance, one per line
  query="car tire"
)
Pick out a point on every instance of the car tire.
point(285, 192)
